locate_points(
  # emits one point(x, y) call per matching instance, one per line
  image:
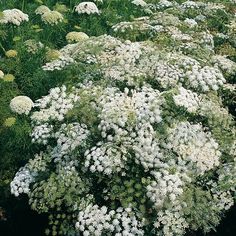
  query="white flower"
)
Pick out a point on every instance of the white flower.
point(21, 104)
point(87, 7)
point(187, 99)
point(20, 183)
point(139, 3)
point(1, 74)
point(165, 3)
point(14, 16)
point(52, 17)
point(190, 22)
point(73, 36)
point(196, 148)
point(96, 219)
point(42, 9)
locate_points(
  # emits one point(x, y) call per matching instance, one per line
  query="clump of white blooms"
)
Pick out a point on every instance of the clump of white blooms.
point(139, 141)
point(190, 5)
point(73, 37)
point(163, 187)
point(146, 148)
point(95, 221)
point(49, 17)
point(13, 16)
point(33, 46)
point(55, 105)
point(194, 147)
point(87, 8)
point(42, 133)
point(225, 64)
point(1, 74)
point(165, 4)
point(21, 105)
point(69, 137)
point(188, 99)
point(106, 158)
point(58, 64)
point(21, 182)
point(206, 78)
point(52, 17)
point(41, 10)
point(190, 22)
point(139, 3)
point(172, 221)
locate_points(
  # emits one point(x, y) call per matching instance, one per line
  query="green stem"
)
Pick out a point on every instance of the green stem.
point(2, 48)
point(23, 5)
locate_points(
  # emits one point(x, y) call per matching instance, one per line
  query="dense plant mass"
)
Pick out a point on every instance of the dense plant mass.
point(136, 135)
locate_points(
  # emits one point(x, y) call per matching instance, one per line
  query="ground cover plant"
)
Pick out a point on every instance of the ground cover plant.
point(118, 117)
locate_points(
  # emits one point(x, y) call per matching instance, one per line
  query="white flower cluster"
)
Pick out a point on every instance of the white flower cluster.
point(69, 137)
point(106, 158)
point(55, 105)
point(37, 164)
point(95, 221)
point(207, 40)
point(141, 24)
point(233, 150)
point(52, 17)
point(146, 147)
point(32, 46)
point(132, 62)
point(205, 78)
point(165, 4)
point(225, 64)
point(73, 36)
point(41, 10)
point(21, 105)
point(190, 5)
point(48, 16)
point(224, 200)
point(87, 7)
point(168, 75)
point(188, 99)
point(59, 63)
point(190, 22)
point(22, 180)
point(166, 187)
point(1, 74)
point(140, 3)
point(121, 111)
point(177, 34)
point(214, 6)
point(42, 133)
point(194, 147)
point(216, 114)
point(223, 195)
point(124, 56)
point(172, 221)
point(14, 16)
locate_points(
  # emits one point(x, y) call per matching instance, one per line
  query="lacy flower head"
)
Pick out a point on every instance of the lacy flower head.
point(87, 7)
point(21, 105)
point(74, 37)
point(42, 9)
point(52, 17)
point(139, 3)
point(14, 16)
point(1, 74)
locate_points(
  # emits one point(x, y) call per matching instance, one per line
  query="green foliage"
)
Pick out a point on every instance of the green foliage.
point(60, 191)
point(200, 209)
